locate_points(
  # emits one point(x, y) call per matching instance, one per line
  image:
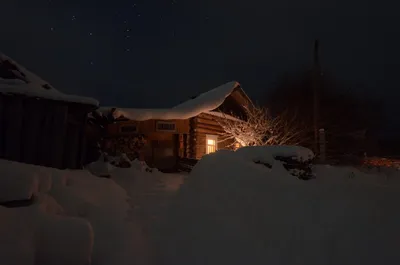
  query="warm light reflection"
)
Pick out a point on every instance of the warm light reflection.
point(211, 142)
point(211, 145)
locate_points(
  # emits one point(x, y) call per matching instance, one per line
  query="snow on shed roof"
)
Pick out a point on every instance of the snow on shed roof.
point(205, 102)
point(15, 79)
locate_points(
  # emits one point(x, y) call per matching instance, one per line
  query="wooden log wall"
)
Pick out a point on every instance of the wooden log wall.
point(192, 138)
point(207, 124)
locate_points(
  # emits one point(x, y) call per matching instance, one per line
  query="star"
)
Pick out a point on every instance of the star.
point(127, 30)
point(91, 62)
point(127, 49)
point(52, 29)
point(90, 33)
point(138, 15)
point(73, 18)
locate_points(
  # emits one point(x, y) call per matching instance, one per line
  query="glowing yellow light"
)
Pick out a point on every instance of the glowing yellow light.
point(210, 142)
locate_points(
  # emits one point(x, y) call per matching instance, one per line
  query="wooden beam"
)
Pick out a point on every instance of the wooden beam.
point(185, 145)
point(13, 132)
point(81, 155)
point(207, 121)
point(208, 131)
point(192, 138)
point(58, 133)
point(45, 135)
point(2, 125)
point(209, 126)
point(32, 126)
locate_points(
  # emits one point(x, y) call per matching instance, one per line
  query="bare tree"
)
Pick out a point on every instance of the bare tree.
point(260, 128)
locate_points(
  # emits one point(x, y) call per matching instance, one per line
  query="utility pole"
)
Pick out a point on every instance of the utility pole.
point(316, 88)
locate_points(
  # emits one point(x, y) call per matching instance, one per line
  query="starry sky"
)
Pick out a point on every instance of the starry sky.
point(154, 53)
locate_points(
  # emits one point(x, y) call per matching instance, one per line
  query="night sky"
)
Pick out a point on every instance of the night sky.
point(157, 53)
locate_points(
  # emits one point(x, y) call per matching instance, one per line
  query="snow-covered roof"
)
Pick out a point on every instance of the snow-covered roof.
point(15, 79)
point(203, 103)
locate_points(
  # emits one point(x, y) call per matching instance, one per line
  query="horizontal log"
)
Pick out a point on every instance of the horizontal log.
point(209, 126)
point(208, 131)
point(207, 116)
point(207, 121)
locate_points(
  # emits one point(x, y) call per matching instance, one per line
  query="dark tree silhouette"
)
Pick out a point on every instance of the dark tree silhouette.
point(347, 118)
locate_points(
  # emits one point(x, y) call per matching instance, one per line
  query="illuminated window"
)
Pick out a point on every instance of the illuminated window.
point(211, 143)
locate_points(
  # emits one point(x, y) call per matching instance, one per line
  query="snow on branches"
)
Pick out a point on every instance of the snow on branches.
point(260, 128)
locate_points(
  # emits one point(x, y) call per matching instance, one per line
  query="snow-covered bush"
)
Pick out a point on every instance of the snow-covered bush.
point(258, 128)
point(131, 146)
point(295, 159)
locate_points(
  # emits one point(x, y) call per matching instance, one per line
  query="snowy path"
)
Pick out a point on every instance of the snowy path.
point(150, 196)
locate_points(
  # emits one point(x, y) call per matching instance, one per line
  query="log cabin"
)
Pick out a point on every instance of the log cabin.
point(188, 130)
point(38, 124)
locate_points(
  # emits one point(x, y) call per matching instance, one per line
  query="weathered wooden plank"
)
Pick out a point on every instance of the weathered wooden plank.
point(208, 131)
point(58, 133)
point(83, 149)
point(2, 125)
point(210, 127)
point(192, 138)
point(45, 139)
point(13, 115)
point(176, 149)
point(72, 147)
point(185, 145)
point(206, 121)
point(210, 118)
point(32, 125)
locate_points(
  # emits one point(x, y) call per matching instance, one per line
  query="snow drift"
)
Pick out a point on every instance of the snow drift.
point(15, 79)
point(234, 211)
point(76, 218)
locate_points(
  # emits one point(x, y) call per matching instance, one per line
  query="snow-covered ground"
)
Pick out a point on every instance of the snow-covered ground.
point(76, 218)
point(228, 210)
point(233, 211)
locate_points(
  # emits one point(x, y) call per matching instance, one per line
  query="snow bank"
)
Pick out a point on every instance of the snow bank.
point(100, 168)
point(22, 81)
point(267, 154)
point(205, 102)
point(17, 183)
point(233, 211)
point(80, 219)
point(30, 235)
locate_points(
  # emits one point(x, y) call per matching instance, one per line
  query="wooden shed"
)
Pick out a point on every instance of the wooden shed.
point(39, 124)
point(188, 130)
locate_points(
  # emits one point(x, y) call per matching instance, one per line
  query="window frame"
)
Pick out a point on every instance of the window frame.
point(128, 125)
point(215, 139)
point(165, 122)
